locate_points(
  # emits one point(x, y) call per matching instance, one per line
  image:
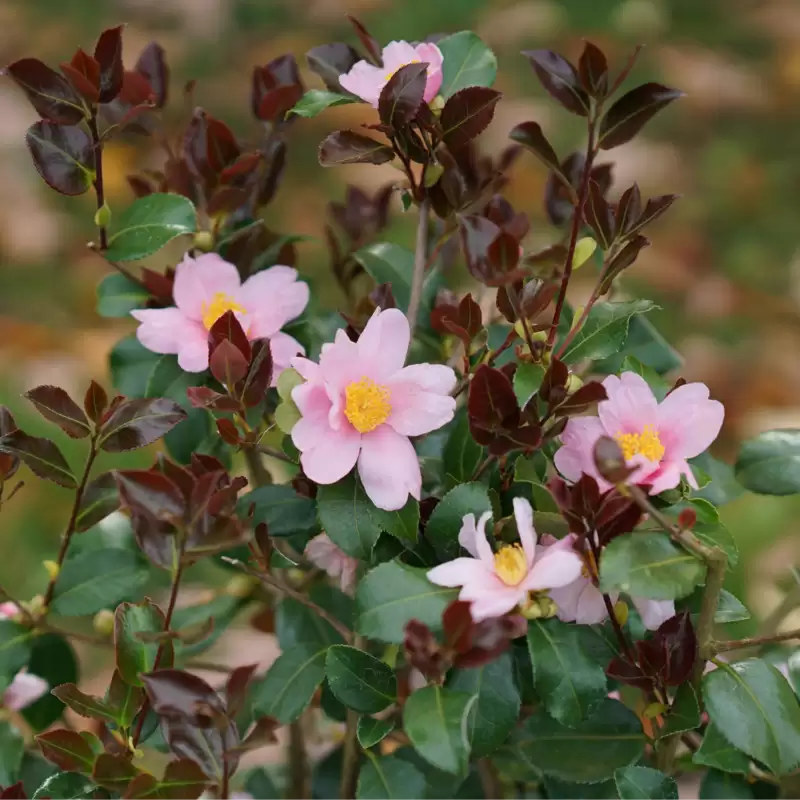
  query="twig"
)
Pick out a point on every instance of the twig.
point(490, 781)
point(99, 188)
point(790, 602)
point(754, 641)
point(420, 259)
point(271, 452)
point(487, 462)
point(299, 771)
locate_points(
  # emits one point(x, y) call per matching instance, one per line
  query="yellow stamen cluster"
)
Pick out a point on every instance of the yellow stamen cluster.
point(220, 303)
point(645, 443)
point(510, 564)
point(367, 405)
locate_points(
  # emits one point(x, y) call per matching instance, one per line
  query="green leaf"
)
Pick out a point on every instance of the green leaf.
point(649, 565)
point(370, 731)
point(12, 748)
point(290, 683)
point(117, 296)
point(647, 346)
point(717, 752)
point(315, 101)
point(131, 364)
point(222, 609)
point(462, 454)
point(468, 61)
point(285, 512)
point(605, 330)
point(97, 579)
point(644, 783)
point(387, 777)
point(100, 498)
point(684, 713)
point(435, 721)
point(730, 608)
point(16, 644)
point(447, 518)
point(344, 513)
point(569, 683)
point(296, 623)
point(755, 709)
point(134, 656)
point(360, 681)
point(496, 710)
point(53, 659)
point(721, 786)
point(392, 594)
point(527, 381)
point(148, 224)
point(770, 463)
point(717, 535)
point(562, 790)
point(589, 753)
point(403, 524)
point(66, 786)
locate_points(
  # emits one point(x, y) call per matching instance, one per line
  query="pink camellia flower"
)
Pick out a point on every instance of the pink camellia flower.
point(323, 553)
point(495, 583)
point(366, 80)
point(360, 404)
point(208, 286)
point(658, 438)
point(24, 690)
point(8, 610)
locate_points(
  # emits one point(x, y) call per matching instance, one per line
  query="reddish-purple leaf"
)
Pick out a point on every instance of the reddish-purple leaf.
point(628, 210)
point(83, 704)
point(276, 88)
point(99, 499)
point(530, 136)
point(227, 328)
point(68, 750)
point(554, 384)
point(262, 733)
point(653, 209)
point(458, 626)
point(174, 691)
point(227, 363)
point(598, 215)
point(680, 645)
point(14, 792)
point(467, 114)
point(593, 71)
point(152, 64)
point(137, 423)
point(108, 54)
point(259, 375)
point(95, 401)
point(632, 111)
point(401, 97)
point(63, 155)
point(369, 42)
point(622, 260)
point(150, 492)
point(48, 92)
point(41, 455)
point(236, 687)
point(55, 405)
point(349, 147)
point(585, 398)
point(330, 61)
point(113, 772)
point(560, 80)
point(536, 297)
point(492, 404)
point(83, 72)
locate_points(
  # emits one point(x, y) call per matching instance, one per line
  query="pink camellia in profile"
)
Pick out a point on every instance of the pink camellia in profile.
point(208, 286)
point(24, 690)
point(496, 583)
point(323, 553)
point(366, 81)
point(360, 405)
point(657, 438)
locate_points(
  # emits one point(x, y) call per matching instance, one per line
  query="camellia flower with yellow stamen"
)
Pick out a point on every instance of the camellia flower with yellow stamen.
point(656, 438)
point(208, 286)
point(360, 405)
point(366, 81)
point(496, 583)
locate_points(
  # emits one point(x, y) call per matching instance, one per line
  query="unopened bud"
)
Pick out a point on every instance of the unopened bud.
point(103, 622)
point(621, 611)
point(102, 217)
point(437, 104)
point(240, 586)
point(538, 606)
point(34, 606)
point(687, 519)
point(295, 575)
point(52, 569)
point(432, 174)
point(609, 461)
point(574, 382)
point(204, 240)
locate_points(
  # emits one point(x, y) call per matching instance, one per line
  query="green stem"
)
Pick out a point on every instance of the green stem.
point(420, 260)
point(350, 749)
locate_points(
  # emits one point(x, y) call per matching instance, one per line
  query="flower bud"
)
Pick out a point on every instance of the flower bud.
point(432, 174)
point(204, 240)
point(34, 606)
point(538, 606)
point(621, 611)
point(240, 586)
point(103, 622)
point(574, 382)
point(102, 217)
point(437, 104)
point(295, 575)
point(52, 569)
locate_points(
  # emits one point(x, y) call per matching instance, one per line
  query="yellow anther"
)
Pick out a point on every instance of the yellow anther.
point(510, 564)
point(220, 303)
point(645, 443)
point(367, 405)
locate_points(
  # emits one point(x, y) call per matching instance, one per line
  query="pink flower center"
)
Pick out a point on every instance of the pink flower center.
point(645, 443)
point(510, 564)
point(220, 303)
point(367, 405)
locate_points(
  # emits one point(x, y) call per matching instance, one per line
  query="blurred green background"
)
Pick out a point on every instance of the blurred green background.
point(724, 265)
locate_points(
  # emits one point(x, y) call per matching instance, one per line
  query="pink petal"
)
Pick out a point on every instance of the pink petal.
point(169, 331)
point(197, 280)
point(566, 598)
point(653, 612)
point(383, 344)
point(431, 54)
point(306, 368)
point(630, 406)
point(591, 606)
point(8, 610)
point(24, 690)
point(365, 81)
point(575, 456)
point(396, 55)
point(523, 514)
point(556, 568)
point(458, 572)
point(332, 456)
point(467, 534)
point(667, 477)
point(283, 348)
point(473, 538)
point(340, 363)
point(389, 468)
point(417, 409)
point(313, 403)
point(688, 422)
point(496, 604)
point(272, 298)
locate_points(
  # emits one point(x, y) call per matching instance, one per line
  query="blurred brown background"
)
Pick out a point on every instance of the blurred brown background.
point(724, 265)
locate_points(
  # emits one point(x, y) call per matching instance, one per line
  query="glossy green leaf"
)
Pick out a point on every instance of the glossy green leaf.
point(589, 753)
point(563, 790)
point(723, 786)
point(717, 752)
point(462, 454)
point(392, 594)
point(496, 710)
point(447, 518)
point(97, 579)
point(67, 786)
point(717, 535)
point(12, 748)
point(388, 777)
point(468, 61)
point(569, 683)
point(133, 655)
point(296, 623)
point(755, 709)
point(770, 463)
point(359, 680)
point(117, 296)
point(53, 659)
point(649, 565)
point(131, 364)
point(647, 346)
point(290, 683)
point(605, 330)
point(285, 512)
point(435, 720)
point(403, 524)
point(315, 101)
point(684, 713)
point(344, 513)
point(644, 783)
point(16, 643)
point(148, 224)
point(527, 381)
point(370, 731)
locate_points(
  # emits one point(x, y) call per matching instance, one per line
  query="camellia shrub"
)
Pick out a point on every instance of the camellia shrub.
point(480, 521)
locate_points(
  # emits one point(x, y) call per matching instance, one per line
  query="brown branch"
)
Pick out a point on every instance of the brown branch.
point(754, 641)
point(99, 188)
